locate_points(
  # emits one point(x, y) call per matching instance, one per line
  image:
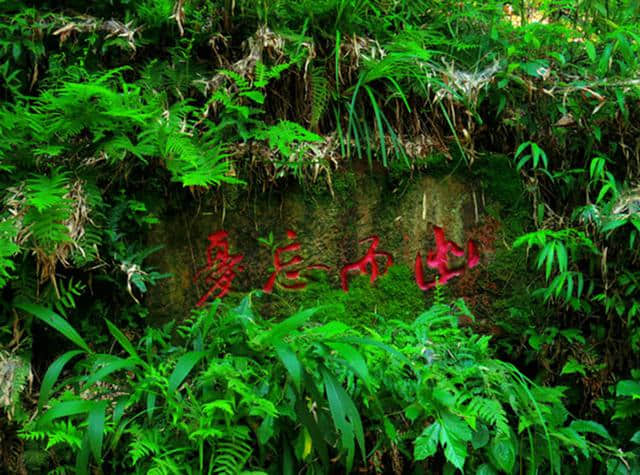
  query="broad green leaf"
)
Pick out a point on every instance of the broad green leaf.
point(52, 374)
point(426, 444)
point(521, 148)
point(561, 254)
point(279, 330)
point(503, 453)
point(353, 358)
point(151, 405)
point(82, 458)
point(603, 192)
point(290, 362)
point(266, 430)
point(549, 262)
point(56, 321)
point(369, 341)
point(628, 388)
point(95, 428)
point(480, 437)
point(317, 436)
point(345, 417)
point(535, 68)
point(113, 364)
point(413, 411)
point(454, 435)
point(486, 469)
point(118, 410)
point(184, 365)
point(64, 409)
point(331, 329)
point(603, 64)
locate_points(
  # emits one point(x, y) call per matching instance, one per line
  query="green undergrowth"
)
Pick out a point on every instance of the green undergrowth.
point(114, 114)
point(228, 391)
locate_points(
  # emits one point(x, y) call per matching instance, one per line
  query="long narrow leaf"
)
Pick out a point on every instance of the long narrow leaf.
point(122, 339)
point(52, 374)
point(112, 365)
point(290, 362)
point(377, 112)
point(183, 367)
point(64, 409)
point(95, 428)
point(56, 321)
point(345, 417)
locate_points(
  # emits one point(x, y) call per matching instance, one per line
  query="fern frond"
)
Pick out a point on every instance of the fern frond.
point(47, 228)
point(240, 81)
point(44, 192)
point(231, 456)
point(146, 443)
point(319, 95)
point(65, 299)
point(8, 248)
point(491, 411)
point(193, 165)
point(284, 135)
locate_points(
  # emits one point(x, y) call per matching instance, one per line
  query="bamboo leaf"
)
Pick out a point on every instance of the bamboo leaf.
point(95, 428)
point(122, 339)
point(290, 362)
point(183, 367)
point(56, 321)
point(65, 409)
point(52, 374)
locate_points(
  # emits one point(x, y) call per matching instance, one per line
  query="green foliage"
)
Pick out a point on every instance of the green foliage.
point(115, 113)
point(231, 385)
point(8, 249)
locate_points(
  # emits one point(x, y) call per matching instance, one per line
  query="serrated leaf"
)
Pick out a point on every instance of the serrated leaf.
point(454, 435)
point(591, 427)
point(426, 444)
point(503, 453)
point(572, 366)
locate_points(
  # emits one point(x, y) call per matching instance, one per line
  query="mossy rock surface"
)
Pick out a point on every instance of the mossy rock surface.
point(330, 228)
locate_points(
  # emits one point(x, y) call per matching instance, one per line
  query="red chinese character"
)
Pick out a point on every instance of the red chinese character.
point(369, 259)
point(220, 269)
point(439, 260)
point(290, 268)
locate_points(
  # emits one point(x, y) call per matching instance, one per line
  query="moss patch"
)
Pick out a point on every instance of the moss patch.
point(393, 295)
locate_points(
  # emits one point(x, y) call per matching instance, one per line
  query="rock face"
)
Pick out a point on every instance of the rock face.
point(328, 228)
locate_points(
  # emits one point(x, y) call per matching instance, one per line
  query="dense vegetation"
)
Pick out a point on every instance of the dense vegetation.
point(114, 112)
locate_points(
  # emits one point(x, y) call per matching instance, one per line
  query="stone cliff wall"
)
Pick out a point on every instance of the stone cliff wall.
point(329, 229)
